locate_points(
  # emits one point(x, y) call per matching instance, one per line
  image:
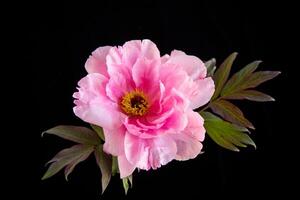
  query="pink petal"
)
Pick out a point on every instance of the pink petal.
point(194, 67)
point(149, 50)
point(125, 167)
point(137, 151)
point(163, 151)
point(114, 141)
point(131, 51)
point(96, 63)
point(145, 74)
point(187, 147)
point(115, 66)
point(203, 93)
point(164, 58)
point(92, 104)
point(133, 148)
point(195, 127)
point(118, 86)
point(114, 56)
point(172, 76)
point(149, 153)
point(156, 99)
point(177, 53)
point(176, 122)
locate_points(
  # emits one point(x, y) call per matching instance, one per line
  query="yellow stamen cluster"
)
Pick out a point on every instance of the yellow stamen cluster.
point(134, 103)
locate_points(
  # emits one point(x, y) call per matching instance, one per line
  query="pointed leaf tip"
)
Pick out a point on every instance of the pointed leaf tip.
point(104, 162)
point(222, 74)
point(99, 131)
point(225, 134)
point(70, 156)
point(77, 134)
point(251, 95)
point(231, 113)
point(127, 183)
point(236, 82)
point(211, 67)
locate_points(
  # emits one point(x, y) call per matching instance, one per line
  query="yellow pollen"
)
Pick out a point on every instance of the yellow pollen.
point(134, 103)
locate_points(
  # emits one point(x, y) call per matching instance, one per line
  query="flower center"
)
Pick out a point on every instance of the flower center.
point(134, 103)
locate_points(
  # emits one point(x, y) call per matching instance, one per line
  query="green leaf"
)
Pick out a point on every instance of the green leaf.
point(99, 131)
point(258, 78)
point(127, 183)
point(115, 167)
point(239, 78)
point(222, 74)
point(70, 167)
point(230, 113)
point(251, 95)
point(211, 67)
point(75, 133)
point(66, 157)
point(225, 134)
point(104, 162)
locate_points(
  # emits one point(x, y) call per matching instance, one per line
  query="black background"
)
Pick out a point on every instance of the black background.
point(60, 37)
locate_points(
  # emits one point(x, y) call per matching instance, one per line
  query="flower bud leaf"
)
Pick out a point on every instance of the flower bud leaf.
point(210, 66)
point(127, 183)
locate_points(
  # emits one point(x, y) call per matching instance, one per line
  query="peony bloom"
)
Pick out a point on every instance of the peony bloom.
point(145, 102)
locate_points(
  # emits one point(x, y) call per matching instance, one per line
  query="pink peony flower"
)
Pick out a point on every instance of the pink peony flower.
point(145, 102)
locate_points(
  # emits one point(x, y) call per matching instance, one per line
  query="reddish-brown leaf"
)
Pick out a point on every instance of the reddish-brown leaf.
point(258, 78)
point(238, 79)
point(222, 74)
point(230, 113)
point(251, 95)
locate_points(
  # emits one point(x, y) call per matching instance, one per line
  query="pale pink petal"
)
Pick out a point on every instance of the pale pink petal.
point(203, 93)
point(99, 113)
point(133, 148)
point(114, 141)
point(114, 56)
point(96, 63)
point(131, 51)
point(149, 50)
point(92, 104)
point(195, 127)
point(150, 153)
point(181, 101)
point(164, 58)
point(125, 167)
point(177, 53)
point(172, 77)
point(194, 67)
point(187, 147)
point(115, 65)
point(163, 150)
point(137, 151)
